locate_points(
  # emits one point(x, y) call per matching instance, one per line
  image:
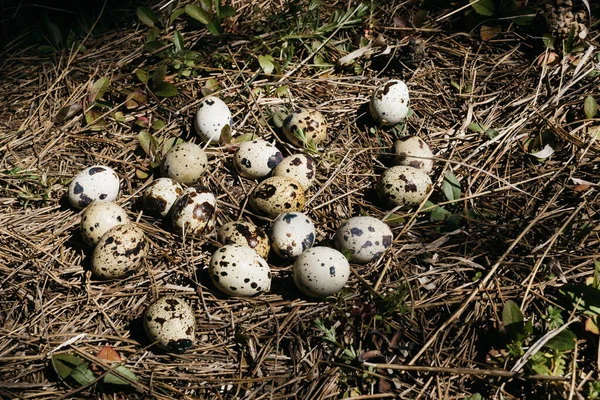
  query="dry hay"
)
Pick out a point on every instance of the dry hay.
point(512, 245)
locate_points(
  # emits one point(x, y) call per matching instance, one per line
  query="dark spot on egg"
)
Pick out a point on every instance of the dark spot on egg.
point(96, 170)
point(265, 191)
point(274, 160)
point(78, 189)
point(179, 345)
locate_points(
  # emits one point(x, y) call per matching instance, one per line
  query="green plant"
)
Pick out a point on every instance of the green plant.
point(491, 14)
point(329, 335)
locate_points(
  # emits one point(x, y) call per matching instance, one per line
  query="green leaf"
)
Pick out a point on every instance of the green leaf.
point(475, 127)
point(491, 133)
point(455, 85)
point(152, 35)
point(206, 5)
point(159, 74)
point(483, 7)
point(169, 143)
point(178, 41)
point(98, 89)
point(158, 124)
point(142, 75)
point(147, 17)
point(227, 11)
point(115, 380)
point(165, 89)
point(451, 186)
point(590, 107)
point(266, 63)
point(564, 341)
point(549, 41)
point(214, 28)
point(176, 14)
point(65, 363)
point(439, 214)
point(511, 314)
point(148, 143)
point(197, 13)
point(583, 297)
point(83, 375)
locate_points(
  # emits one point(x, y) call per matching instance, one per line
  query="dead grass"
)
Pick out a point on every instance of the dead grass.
point(514, 245)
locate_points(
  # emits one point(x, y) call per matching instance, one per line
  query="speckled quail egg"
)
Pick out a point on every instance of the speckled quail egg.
point(160, 196)
point(276, 195)
point(363, 239)
point(170, 322)
point(255, 159)
point(413, 152)
point(389, 103)
point(98, 182)
point(246, 234)
point(119, 252)
point(212, 118)
point(98, 218)
point(238, 270)
point(184, 163)
point(403, 186)
point(194, 211)
point(321, 271)
point(291, 234)
point(300, 167)
point(305, 122)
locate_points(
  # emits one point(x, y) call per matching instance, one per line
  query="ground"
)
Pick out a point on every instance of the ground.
point(482, 293)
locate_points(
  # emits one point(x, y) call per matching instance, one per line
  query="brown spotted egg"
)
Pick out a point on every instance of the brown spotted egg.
point(363, 239)
point(389, 103)
point(246, 234)
point(255, 159)
point(413, 152)
point(212, 119)
point(160, 196)
point(403, 186)
point(321, 271)
point(194, 211)
point(119, 252)
point(306, 123)
point(291, 234)
point(238, 270)
point(276, 195)
point(98, 182)
point(184, 163)
point(170, 323)
point(98, 218)
point(300, 167)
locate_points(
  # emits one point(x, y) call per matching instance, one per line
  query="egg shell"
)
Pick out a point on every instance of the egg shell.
point(403, 186)
point(276, 195)
point(245, 234)
point(212, 118)
point(194, 212)
point(412, 151)
point(98, 218)
point(291, 234)
point(300, 167)
point(95, 183)
point(311, 122)
point(238, 270)
point(170, 322)
point(255, 159)
point(184, 163)
point(321, 271)
point(119, 252)
point(389, 103)
point(160, 196)
point(363, 238)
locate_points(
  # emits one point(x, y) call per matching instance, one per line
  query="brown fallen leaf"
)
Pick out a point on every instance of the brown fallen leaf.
point(489, 32)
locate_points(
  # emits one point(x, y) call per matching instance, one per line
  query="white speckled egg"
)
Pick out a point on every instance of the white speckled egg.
point(98, 182)
point(291, 234)
point(194, 212)
point(276, 195)
point(184, 163)
point(363, 239)
point(403, 186)
point(412, 151)
point(170, 322)
point(98, 218)
point(300, 167)
point(119, 252)
point(310, 122)
point(213, 116)
point(160, 196)
point(389, 103)
point(256, 158)
point(321, 271)
point(245, 234)
point(238, 270)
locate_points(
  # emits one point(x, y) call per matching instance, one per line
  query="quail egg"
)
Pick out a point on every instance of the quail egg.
point(300, 167)
point(160, 196)
point(184, 163)
point(98, 182)
point(276, 195)
point(238, 270)
point(98, 218)
point(194, 212)
point(256, 158)
point(119, 252)
point(212, 119)
point(246, 234)
point(170, 322)
point(321, 271)
point(403, 186)
point(413, 152)
point(306, 123)
point(291, 234)
point(363, 239)
point(389, 103)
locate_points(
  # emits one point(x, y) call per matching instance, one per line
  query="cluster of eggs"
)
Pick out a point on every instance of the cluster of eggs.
point(239, 266)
